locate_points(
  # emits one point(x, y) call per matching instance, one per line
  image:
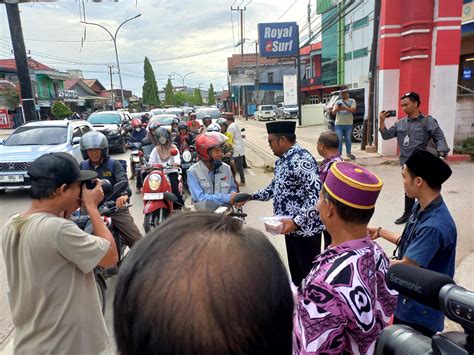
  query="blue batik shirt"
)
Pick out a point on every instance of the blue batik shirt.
point(429, 239)
point(295, 191)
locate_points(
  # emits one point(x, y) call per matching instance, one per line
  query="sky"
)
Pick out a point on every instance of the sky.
point(181, 36)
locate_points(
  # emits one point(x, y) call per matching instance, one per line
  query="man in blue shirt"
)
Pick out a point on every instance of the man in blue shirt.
point(210, 179)
point(429, 238)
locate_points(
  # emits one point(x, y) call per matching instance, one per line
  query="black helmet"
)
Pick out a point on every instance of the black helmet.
point(94, 140)
point(162, 135)
point(222, 122)
point(182, 125)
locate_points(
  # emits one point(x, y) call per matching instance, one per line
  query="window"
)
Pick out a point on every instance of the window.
point(270, 78)
point(309, 71)
point(326, 97)
point(314, 99)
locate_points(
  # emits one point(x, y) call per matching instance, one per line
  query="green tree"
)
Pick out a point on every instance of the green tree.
point(12, 98)
point(169, 94)
point(197, 97)
point(60, 110)
point(211, 96)
point(181, 98)
point(150, 88)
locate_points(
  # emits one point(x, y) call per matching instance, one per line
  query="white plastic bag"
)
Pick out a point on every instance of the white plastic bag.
point(273, 224)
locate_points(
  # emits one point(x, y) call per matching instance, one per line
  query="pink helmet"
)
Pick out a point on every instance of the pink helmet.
point(205, 141)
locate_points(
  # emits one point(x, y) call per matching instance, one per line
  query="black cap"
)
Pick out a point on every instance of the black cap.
point(429, 167)
point(281, 127)
point(61, 167)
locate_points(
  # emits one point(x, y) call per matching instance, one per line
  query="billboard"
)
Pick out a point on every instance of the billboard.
point(279, 39)
point(290, 90)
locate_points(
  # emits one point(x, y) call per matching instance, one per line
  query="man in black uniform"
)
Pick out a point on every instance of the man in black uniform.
point(95, 151)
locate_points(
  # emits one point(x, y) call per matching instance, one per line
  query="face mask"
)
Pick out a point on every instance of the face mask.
point(162, 140)
point(138, 129)
point(216, 164)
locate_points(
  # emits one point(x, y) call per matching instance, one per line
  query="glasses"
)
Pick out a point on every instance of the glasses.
point(273, 139)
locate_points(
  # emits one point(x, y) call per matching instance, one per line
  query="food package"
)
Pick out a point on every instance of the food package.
point(273, 224)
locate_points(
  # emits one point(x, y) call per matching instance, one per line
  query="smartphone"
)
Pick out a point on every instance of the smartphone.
point(339, 104)
point(391, 113)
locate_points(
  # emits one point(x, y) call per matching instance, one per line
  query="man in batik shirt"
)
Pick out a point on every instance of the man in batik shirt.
point(294, 189)
point(344, 303)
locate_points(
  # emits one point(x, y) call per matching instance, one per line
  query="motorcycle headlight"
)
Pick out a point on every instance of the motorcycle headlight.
point(154, 182)
point(187, 156)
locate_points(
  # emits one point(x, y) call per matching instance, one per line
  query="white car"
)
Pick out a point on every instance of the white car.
point(265, 112)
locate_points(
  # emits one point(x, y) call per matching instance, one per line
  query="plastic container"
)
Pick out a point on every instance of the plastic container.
point(273, 224)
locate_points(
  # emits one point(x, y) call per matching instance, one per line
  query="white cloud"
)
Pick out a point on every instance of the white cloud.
point(166, 29)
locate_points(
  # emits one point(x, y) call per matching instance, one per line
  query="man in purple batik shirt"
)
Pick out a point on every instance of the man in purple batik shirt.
point(344, 303)
point(328, 148)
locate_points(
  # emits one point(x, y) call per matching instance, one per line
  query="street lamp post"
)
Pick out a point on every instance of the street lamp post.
point(114, 39)
point(183, 77)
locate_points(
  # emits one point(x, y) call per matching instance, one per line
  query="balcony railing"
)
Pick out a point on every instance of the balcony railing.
point(315, 80)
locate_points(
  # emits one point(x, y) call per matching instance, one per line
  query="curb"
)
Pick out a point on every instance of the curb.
point(458, 158)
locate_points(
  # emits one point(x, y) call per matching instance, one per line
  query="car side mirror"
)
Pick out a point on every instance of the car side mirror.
point(1, 141)
point(75, 140)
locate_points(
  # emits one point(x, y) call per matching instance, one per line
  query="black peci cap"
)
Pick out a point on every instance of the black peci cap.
point(429, 167)
point(281, 127)
point(61, 167)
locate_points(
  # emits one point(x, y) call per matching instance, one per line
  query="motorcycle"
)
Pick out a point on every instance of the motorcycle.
point(225, 210)
point(157, 195)
point(138, 158)
point(188, 158)
point(106, 208)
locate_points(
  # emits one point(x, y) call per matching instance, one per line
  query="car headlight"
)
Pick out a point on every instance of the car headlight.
point(187, 156)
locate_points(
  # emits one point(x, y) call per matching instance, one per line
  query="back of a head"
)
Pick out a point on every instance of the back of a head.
point(329, 139)
point(206, 287)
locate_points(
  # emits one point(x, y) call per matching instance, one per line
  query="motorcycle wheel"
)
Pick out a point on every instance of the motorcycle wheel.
point(100, 283)
point(152, 220)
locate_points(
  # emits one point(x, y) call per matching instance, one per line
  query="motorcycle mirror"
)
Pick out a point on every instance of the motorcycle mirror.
point(118, 189)
point(170, 197)
point(106, 186)
point(146, 141)
point(242, 197)
point(174, 151)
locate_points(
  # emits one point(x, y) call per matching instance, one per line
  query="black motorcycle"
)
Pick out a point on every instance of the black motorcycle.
point(188, 158)
point(106, 208)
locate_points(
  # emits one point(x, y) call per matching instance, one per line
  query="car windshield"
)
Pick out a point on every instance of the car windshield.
point(163, 119)
point(214, 113)
point(46, 135)
point(174, 111)
point(267, 108)
point(157, 111)
point(104, 118)
point(291, 106)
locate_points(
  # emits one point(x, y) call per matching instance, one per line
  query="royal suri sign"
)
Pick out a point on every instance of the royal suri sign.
point(278, 39)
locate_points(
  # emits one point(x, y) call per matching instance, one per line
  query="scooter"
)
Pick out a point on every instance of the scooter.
point(106, 208)
point(156, 194)
point(188, 158)
point(138, 158)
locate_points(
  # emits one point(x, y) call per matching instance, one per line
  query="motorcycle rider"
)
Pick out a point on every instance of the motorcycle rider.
point(185, 138)
point(206, 121)
point(150, 132)
point(210, 179)
point(145, 118)
point(95, 151)
point(161, 154)
point(193, 125)
point(138, 132)
point(174, 132)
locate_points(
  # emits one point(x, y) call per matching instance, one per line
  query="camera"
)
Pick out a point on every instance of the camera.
point(439, 292)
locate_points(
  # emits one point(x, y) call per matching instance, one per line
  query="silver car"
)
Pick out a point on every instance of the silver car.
point(32, 140)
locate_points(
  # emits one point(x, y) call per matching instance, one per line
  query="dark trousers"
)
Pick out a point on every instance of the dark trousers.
point(301, 254)
point(239, 162)
point(409, 203)
point(175, 189)
point(419, 328)
point(123, 221)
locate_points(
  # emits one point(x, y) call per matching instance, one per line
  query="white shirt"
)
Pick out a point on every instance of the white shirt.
point(239, 145)
point(173, 159)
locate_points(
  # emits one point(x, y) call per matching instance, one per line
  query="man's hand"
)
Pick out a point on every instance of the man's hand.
point(289, 225)
point(91, 198)
point(382, 117)
point(373, 232)
point(121, 201)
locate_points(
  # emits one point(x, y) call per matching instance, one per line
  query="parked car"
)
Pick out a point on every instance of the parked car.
point(265, 112)
point(173, 111)
point(157, 111)
point(286, 111)
point(330, 117)
point(110, 123)
point(215, 113)
point(32, 140)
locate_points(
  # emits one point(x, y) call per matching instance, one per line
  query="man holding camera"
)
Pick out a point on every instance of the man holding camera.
point(429, 238)
point(412, 132)
point(49, 261)
point(344, 110)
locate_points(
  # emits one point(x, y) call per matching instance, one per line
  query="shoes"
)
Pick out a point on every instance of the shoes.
point(351, 156)
point(403, 219)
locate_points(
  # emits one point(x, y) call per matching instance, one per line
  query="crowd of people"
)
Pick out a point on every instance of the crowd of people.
point(213, 286)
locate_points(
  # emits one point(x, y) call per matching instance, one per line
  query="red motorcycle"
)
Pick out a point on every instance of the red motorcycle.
point(157, 195)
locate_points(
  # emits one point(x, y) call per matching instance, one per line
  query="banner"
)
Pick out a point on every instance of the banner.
point(278, 39)
point(290, 92)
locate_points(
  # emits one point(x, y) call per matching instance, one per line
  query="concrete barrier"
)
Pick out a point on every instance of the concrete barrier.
point(312, 115)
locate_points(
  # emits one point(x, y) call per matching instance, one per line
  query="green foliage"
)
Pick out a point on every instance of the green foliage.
point(466, 148)
point(197, 97)
point(169, 94)
point(60, 110)
point(212, 96)
point(182, 99)
point(150, 88)
point(12, 98)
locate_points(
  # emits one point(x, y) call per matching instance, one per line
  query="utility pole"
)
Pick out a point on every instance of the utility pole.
point(298, 79)
point(256, 73)
point(21, 61)
point(112, 87)
point(310, 33)
point(241, 13)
